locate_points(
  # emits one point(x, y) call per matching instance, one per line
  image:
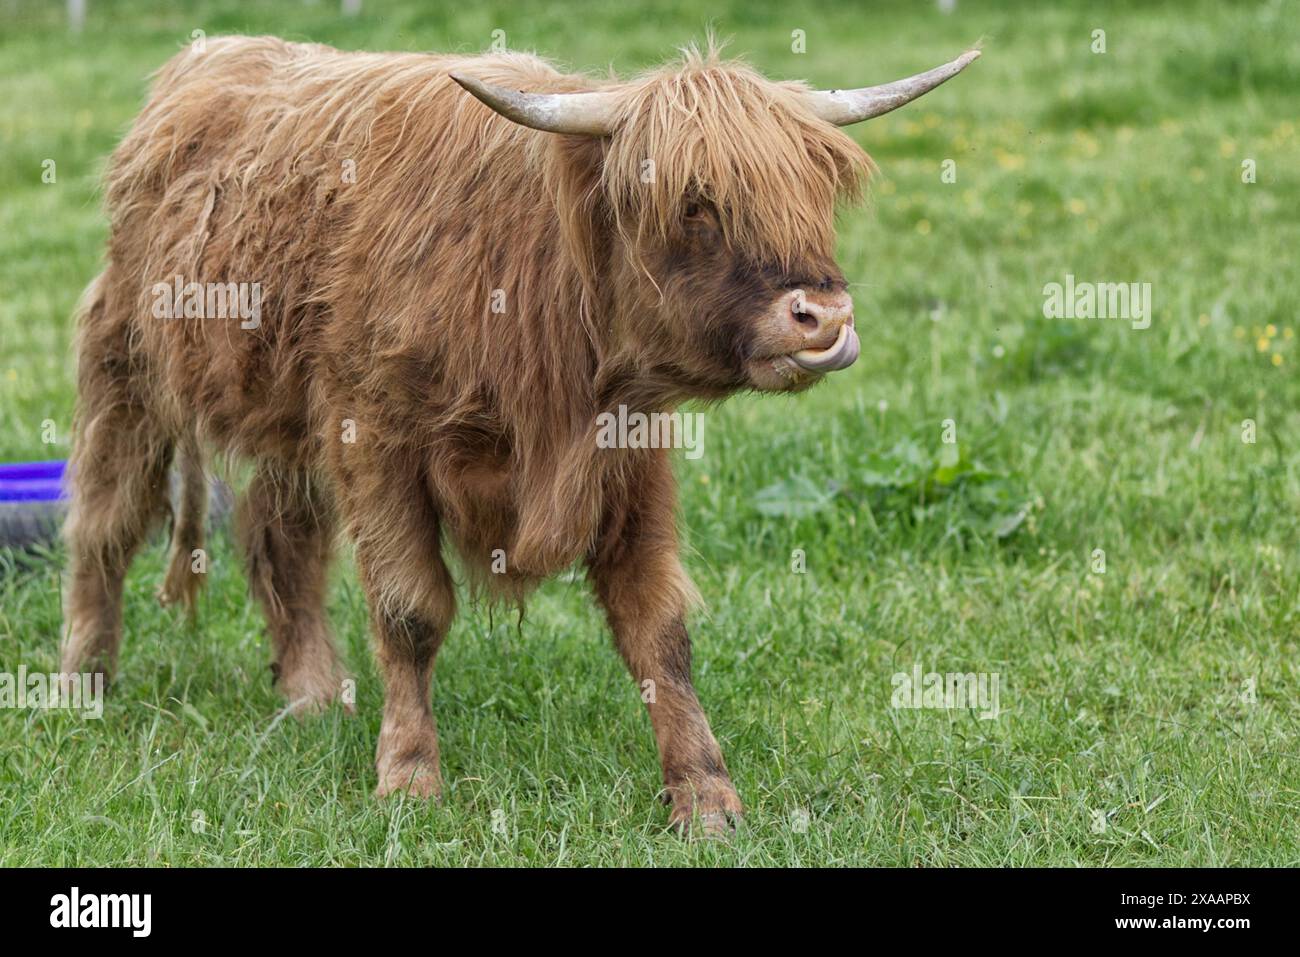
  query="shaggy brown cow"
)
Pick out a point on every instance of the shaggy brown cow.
point(447, 296)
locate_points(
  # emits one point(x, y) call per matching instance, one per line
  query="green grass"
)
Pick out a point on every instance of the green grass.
point(1122, 692)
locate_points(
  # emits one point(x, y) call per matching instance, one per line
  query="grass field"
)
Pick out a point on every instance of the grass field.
point(1158, 696)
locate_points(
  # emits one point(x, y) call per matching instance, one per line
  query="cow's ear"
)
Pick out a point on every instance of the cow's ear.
point(575, 174)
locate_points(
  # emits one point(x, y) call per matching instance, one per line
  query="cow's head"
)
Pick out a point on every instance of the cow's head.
point(719, 188)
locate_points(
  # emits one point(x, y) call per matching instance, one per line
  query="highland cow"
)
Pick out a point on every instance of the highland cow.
point(455, 279)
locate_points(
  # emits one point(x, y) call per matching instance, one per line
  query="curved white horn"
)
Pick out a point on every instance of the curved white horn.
point(843, 107)
point(589, 114)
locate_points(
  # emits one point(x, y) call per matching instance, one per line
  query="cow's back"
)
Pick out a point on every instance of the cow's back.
point(265, 163)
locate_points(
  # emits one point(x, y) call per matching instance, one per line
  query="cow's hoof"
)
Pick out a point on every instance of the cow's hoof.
point(169, 595)
point(309, 691)
point(416, 778)
point(706, 809)
point(180, 588)
point(308, 706)
point(74, 665)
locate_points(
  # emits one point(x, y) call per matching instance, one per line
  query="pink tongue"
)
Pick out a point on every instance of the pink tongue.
point(842, 354)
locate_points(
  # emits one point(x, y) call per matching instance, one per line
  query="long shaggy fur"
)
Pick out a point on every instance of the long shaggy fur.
point(385, 213)
point(378, 292)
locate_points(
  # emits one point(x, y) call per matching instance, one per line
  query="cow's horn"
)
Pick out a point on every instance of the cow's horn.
point(590, 114)
point(843, 107)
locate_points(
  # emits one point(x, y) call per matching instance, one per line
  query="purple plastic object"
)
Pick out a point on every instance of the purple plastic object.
point(32, 482)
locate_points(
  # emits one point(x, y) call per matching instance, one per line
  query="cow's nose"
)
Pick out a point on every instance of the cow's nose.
point(819, 315)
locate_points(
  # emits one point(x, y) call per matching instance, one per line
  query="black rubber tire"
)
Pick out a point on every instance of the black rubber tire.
point(25, 525)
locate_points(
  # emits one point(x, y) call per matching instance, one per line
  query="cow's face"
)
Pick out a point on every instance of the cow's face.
point(729, 317)
point(716, 190)
point(723, 189)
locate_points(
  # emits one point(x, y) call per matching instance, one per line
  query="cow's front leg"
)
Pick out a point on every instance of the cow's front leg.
point(645, 593)
point(657, 649)
point(412, 602)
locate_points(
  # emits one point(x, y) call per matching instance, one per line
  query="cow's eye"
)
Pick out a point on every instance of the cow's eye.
point(698, 215)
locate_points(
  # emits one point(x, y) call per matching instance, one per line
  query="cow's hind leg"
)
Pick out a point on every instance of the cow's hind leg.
point(412, 602)
point(189, 517)
point(118, 485)
point(286, 528)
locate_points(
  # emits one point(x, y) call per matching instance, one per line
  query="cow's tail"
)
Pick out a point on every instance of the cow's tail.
point(187, 566)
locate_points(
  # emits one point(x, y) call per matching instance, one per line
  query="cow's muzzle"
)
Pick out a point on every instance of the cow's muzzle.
point(841, 354)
